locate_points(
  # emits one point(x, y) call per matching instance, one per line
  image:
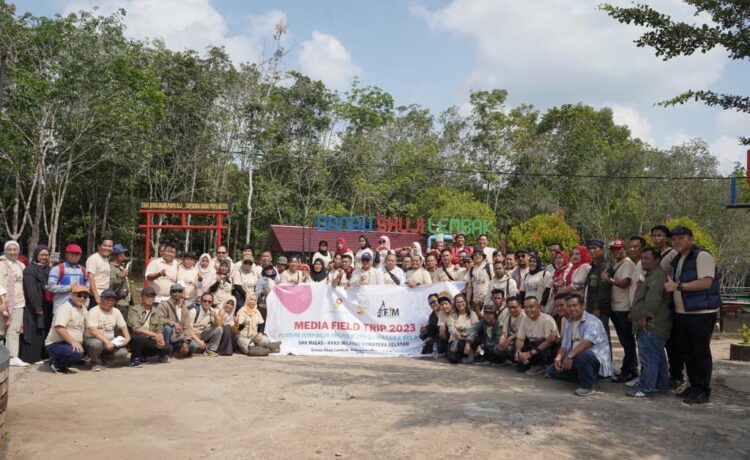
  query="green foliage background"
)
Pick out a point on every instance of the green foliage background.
point(91, 122)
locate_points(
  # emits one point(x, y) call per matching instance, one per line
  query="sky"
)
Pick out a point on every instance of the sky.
point(434, 52)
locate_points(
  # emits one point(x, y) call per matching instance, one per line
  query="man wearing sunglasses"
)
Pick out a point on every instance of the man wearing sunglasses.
point(64, 341)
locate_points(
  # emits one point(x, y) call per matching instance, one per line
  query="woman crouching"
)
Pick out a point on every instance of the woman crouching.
point(249, 340)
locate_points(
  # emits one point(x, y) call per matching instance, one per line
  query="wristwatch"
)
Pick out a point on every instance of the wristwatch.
point(679, 286)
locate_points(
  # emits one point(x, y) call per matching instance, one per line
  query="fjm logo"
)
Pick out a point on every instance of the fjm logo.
point(387, 312)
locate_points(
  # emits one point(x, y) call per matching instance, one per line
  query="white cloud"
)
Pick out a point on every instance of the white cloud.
point(638, 124)
point(562, 51)
point(189, 24)
point(676, 138)
point(323, 57)
point(733, 123)
point(728, 150)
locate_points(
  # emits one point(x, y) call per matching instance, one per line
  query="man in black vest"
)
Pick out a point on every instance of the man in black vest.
point(696, 299)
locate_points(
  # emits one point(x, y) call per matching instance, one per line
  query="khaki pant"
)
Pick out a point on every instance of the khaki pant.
point(12, 331)
point(260, 340)
point(212, 337)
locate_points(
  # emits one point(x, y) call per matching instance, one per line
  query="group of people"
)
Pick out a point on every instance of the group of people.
point(73, 313)
point(662, 300)
point(548, 318)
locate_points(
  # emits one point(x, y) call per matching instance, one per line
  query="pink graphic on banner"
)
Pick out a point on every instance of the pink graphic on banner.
point(296, 299)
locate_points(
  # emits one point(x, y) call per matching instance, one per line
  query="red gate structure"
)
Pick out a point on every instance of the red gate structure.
point(183, 209)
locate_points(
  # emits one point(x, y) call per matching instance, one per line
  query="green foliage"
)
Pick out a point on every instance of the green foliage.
point(730, 29)
point(96, 122)
point(446, 202)
point(744, 332)
point(702, 238)
point(540, 232)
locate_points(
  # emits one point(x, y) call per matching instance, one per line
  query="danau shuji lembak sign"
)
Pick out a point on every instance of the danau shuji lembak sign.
point(389, 224)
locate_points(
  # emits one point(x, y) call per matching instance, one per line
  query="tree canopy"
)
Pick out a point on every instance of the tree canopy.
point(92, 122)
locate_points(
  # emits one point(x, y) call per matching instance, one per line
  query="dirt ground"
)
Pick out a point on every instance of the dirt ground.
point(319, 407)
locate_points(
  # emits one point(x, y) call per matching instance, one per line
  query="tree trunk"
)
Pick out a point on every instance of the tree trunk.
point(249, 221)
point(192, 195)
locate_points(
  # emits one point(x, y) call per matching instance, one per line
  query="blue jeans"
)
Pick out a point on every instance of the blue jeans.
point(655, 371)
point(584, 371)
point(63, 355)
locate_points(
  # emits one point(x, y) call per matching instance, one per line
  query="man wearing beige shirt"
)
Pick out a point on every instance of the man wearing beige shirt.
point(162, 272)
point(98, 269)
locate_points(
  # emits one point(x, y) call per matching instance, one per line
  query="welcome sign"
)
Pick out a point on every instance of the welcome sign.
point(417, 225)
point(319, 319)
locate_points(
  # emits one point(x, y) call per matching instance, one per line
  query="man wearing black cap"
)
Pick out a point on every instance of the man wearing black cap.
point(147, 331)
point(483, 337)
point(598, 293)
point(662, 238)
point(696, 299)
point(366, 275)
point(118, 278)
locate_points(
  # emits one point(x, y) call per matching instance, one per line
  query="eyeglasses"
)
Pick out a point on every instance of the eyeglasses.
point(433, 301)
point(221, 252)
point(247, 262)
point(206, 301)
point(82, 295)
point(381, 241)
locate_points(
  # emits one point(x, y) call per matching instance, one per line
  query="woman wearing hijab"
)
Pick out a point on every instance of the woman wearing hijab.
point(206, 274)
point(575, 278)
point(364, 248)
point(342, 248)
point(11, 284)
point(323, 253)
point(416, 249)
point(251, 340)
point(318, 274)
point(37, 308)
point(383, 251)
point(561, 264)
point(538, 281)
point(229, 327)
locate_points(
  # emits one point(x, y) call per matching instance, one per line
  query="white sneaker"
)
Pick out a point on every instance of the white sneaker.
point(16, 362)
point(632, 383)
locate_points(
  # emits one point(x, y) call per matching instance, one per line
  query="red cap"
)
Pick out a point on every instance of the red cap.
point(73, 248)
point(617, 243)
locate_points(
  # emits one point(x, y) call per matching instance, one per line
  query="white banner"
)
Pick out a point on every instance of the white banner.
point(318, 319)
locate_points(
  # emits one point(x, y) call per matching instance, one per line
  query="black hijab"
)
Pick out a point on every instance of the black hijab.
point(321, 275)
point(35, 278)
